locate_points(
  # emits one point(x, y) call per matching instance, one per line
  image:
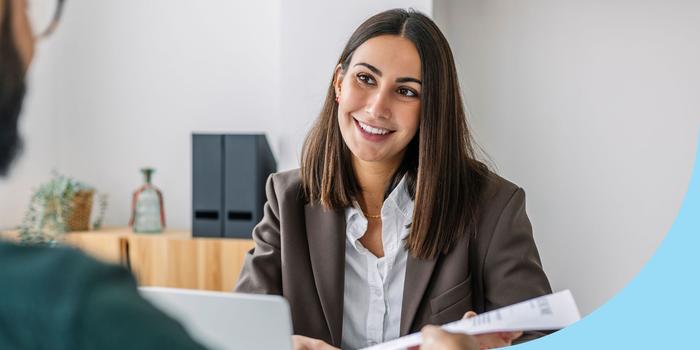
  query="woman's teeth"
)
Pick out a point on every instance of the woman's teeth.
point(373, 130)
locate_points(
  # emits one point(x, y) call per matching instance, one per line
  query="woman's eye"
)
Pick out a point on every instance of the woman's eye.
point(407, 92)
point(365, 78)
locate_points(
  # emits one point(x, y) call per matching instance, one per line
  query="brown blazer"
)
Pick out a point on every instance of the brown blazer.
point(300, 254)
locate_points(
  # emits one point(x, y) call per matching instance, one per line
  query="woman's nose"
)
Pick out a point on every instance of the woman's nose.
point(379, 105)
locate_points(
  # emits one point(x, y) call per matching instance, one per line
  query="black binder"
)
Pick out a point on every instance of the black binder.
point(228, 183)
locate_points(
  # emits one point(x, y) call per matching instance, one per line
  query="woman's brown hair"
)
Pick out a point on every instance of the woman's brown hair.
point(11, 90)
point(442, 176)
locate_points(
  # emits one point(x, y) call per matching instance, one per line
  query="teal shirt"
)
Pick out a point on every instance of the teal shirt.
point(58, 298)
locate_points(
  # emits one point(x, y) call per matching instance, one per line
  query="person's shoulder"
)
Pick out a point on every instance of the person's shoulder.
point(287, 185)
point(55, 282)
point(288, 178)
point(44, 263)
point(39, 256)
point(497, 191)
point(498, 185)
point(500, 198)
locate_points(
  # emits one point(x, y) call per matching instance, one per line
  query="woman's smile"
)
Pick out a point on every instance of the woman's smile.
point(372, 133)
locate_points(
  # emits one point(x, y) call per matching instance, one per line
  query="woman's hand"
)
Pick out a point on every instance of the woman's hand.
point(494, 340)
point(301, 342)
point(434, 338)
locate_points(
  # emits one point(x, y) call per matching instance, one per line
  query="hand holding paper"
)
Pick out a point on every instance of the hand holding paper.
point(549, 312)
point(434, 338)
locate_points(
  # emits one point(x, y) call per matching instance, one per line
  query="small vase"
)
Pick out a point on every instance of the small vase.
point(147, 215)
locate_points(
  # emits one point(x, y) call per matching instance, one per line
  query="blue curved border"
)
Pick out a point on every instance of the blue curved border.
point(660, 308)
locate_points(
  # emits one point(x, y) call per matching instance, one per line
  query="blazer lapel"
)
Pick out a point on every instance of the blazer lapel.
point(326, 234)
point(418, 273)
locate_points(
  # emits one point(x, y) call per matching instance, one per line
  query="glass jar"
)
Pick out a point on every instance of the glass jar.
point(147, 215)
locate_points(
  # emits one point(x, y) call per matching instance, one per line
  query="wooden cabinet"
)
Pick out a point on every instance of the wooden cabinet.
point(177, 260)
point(169, 259)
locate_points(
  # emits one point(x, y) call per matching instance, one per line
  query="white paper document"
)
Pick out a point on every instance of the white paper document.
point(548, 312)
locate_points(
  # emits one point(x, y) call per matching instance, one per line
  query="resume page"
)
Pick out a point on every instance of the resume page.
point(548, 312)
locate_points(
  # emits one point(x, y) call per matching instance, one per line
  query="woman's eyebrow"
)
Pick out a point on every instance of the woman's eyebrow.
point(408, 80)
point(371, 67)
point(376, 71)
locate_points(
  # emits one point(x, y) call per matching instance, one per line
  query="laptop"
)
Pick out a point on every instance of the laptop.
point(221, 320)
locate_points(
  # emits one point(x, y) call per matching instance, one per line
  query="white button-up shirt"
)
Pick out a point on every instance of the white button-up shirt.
point(374, 286)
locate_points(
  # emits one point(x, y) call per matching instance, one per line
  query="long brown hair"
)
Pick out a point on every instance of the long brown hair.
point(442, 176)
point(11, 90)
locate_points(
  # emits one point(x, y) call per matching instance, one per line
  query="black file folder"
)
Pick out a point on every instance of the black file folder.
point(243, 163)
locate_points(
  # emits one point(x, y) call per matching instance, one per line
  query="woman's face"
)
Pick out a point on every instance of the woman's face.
point(379, 99)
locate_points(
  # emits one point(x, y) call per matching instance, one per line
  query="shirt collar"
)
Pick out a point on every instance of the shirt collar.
point(399, 201)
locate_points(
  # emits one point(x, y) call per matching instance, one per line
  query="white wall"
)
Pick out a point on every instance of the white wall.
point(133, 79)
point(592, 107)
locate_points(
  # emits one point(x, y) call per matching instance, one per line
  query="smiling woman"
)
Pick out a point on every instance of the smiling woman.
point(391, 223)
point(402, 77)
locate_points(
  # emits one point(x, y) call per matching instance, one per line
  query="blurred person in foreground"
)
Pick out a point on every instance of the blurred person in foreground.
point(58, 298)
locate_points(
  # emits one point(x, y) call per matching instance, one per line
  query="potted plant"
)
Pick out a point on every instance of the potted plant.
point(60, 205)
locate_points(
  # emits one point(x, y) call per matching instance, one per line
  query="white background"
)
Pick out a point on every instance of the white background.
point(592, 106)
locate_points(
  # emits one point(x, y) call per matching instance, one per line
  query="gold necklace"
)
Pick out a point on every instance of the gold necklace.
point(372, 216)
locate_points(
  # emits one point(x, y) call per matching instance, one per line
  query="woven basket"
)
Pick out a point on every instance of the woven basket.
point(79, 219)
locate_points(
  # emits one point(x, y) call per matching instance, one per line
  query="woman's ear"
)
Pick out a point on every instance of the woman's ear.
point(338, 79)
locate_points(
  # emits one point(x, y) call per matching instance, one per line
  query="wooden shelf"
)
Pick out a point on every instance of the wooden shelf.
point(168, 259)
